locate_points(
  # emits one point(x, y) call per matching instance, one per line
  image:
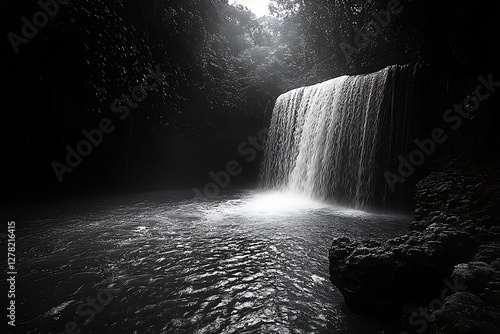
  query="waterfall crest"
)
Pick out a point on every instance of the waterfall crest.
point(334, 140)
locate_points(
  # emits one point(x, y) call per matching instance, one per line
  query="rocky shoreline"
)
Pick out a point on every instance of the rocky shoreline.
point(443, 276)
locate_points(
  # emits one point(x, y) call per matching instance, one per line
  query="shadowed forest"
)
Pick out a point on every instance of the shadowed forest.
point(225, 67)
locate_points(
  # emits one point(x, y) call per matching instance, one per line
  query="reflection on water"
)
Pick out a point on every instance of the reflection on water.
point(245, 262)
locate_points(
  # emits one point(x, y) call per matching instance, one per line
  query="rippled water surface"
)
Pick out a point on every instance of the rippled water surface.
point(245, 262)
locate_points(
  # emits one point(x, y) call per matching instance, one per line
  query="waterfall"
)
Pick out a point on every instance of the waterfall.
point(335, 140)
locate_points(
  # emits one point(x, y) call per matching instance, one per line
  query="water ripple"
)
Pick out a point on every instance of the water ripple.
point(191, 267)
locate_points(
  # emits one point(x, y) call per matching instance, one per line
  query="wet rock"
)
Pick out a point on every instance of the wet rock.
point(488, 252)
point(466, 313)
point(419, 225)
point(474, 275)
point(379, 278)
point(455, 238)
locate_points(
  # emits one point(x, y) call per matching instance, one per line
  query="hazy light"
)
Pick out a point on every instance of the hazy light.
point(258, 7)
point(276, 204)
point(266, 204)
point(279, 202)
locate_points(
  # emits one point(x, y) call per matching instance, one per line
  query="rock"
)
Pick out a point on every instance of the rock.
point(379, 278)
point(455, 238)
point(488, 252)
point(474, 275)
point(419, 225)
point(466, 313)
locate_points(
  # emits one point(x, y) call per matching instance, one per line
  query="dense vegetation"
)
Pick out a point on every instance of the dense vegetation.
point(224, 68)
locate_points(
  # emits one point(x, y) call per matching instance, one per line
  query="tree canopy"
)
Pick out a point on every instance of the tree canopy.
point(225, 69)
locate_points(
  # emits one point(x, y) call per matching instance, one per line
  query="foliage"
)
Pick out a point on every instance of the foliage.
point(226, 67)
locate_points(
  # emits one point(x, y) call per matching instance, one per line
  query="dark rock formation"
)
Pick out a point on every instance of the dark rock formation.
point(476, 310)
point(444, 275)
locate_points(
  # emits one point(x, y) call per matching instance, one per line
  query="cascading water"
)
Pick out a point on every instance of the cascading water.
point(335, 140)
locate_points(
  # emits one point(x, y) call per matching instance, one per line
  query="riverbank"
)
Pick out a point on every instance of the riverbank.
point(443, 276)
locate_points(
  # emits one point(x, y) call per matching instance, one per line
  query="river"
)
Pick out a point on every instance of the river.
point(165, 262)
